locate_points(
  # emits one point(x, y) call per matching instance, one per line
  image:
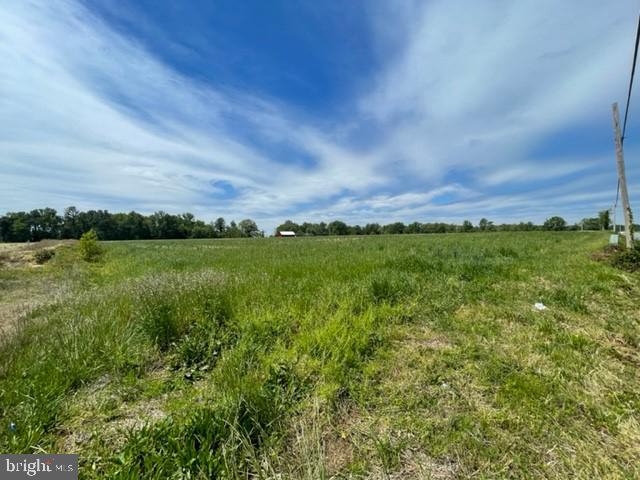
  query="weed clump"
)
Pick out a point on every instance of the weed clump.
point(90, 250)
point(627, 259)
point(207, 336)
point(43, 256)
point(390, 288)
point(192, 325)
point(214, 441)
point(160, 323)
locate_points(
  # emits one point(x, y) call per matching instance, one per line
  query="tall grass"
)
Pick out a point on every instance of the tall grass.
point(249, 333)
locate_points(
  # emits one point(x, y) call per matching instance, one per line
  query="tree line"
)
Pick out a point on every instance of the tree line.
point(337, 227)
point(45, 223)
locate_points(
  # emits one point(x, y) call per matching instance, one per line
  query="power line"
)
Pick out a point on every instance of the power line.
point(633, 71)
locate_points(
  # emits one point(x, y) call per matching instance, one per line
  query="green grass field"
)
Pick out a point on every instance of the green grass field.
point(335, 357)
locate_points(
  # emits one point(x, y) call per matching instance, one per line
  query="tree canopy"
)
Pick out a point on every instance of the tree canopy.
point(46, 223)
point(338, 227)
point(555, 223)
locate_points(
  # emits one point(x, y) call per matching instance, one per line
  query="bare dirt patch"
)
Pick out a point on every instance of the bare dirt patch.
point(425, 339)
point(114, 430)
point(416, 465)
point(25, 255)
point(98, 412)
point(24, 288)
point(20, 299)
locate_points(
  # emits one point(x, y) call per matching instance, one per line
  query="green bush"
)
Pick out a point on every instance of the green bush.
point(90, 250)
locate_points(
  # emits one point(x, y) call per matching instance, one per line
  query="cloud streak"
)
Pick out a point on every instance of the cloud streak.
point(447, 129)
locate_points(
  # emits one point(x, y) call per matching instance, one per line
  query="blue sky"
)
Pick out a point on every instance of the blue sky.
point(364, 111)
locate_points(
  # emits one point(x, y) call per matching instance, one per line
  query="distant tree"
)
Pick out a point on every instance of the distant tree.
point(372, 229)
point(589, 224)
point(233, 231)
point(220, 226)
point(394, 228)
point(354, 230)
point(288, 226)
point(5, 229)
point(186, 224)
point(428, 228)
point(526, 226)
point(322, 229)
point(70, 226)
point(101, 221)
point(555, 223)
point(16, 227)
point(202, 230)
point(136, 227)
point(605, 219)
point(338, 228)
point(485, 225)
point(440, 227)
point(415, 227)
point(163, 225)
point(44, 223)
point(307, 229)
point(248, 227)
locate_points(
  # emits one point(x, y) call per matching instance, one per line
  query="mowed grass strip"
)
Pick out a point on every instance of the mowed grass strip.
point(405, 356)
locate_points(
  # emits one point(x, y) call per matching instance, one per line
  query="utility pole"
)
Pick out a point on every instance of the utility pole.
point(624, 194)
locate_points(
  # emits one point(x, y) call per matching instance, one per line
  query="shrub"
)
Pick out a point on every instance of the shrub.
point(627, 259)
point(43, 256)
point(90, 250)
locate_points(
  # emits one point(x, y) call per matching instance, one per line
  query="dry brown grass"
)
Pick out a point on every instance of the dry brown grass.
point(22, 255)
point(24, 286)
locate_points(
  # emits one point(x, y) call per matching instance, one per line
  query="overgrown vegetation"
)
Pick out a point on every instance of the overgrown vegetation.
point(627, 258)
point(43, 256)
point(344, 357)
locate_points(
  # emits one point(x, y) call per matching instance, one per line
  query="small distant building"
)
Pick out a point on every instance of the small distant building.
point(285, 233)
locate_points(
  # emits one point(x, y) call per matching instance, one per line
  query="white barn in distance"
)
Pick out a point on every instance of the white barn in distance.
point(285, 233)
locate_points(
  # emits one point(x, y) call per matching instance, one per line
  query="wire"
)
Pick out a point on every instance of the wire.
point(633, 71)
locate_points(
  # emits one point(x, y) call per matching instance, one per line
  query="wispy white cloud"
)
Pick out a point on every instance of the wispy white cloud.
point(92, 118)
point(99, 116)
point(479, 83)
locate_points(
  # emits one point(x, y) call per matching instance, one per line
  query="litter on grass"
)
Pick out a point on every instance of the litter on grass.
point(539, 306)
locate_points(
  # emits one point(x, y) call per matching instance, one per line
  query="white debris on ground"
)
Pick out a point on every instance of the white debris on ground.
point(539, 306)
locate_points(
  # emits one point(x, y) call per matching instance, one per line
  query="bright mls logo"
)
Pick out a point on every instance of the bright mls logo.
point(52, 467)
